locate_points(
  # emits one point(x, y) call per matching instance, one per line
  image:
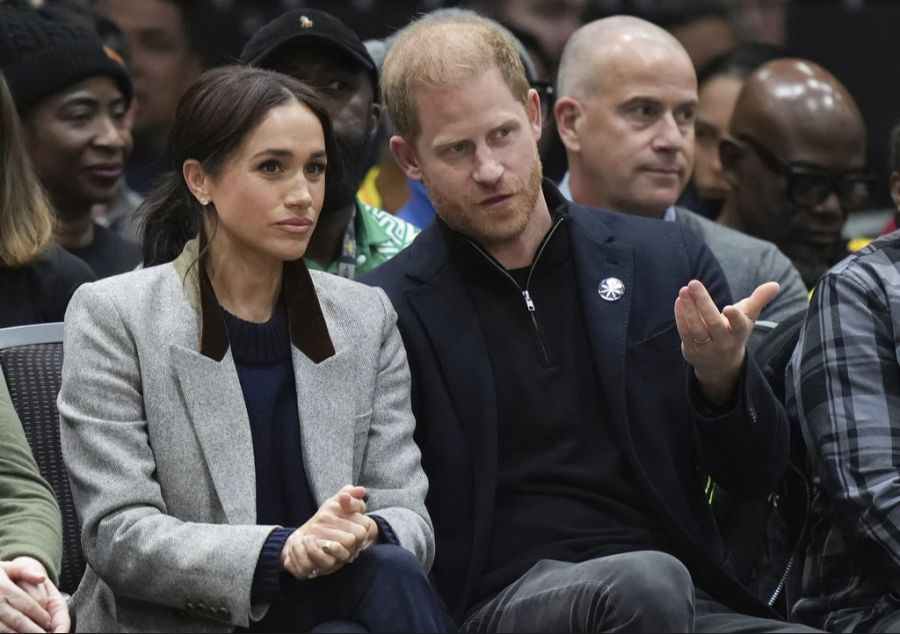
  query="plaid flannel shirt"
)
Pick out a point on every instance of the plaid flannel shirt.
point(843, 386)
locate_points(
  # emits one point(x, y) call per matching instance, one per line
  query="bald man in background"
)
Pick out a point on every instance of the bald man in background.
point(625, 112)
point(796, 161)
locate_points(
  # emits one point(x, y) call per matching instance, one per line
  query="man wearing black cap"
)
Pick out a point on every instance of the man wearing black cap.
point(351, 238)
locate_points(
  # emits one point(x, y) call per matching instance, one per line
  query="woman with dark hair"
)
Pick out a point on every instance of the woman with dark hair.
point(37, 277)
point(719, 85)
point(238, 429)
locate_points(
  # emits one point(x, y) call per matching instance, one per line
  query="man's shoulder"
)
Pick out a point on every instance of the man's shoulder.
point(714, 232)
point(876, 267)
point(424, 258)
point(724, 240)
point(633, 231)
point(389, 275)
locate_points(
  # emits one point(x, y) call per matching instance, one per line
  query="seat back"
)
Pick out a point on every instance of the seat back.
point(31, 359)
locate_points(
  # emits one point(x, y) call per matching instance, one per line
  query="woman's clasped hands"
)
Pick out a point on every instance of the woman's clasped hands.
point(333, 538)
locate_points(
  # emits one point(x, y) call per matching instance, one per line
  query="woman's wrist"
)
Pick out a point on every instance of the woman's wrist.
point(267, 577)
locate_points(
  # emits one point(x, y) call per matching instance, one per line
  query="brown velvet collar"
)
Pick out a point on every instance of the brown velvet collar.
point(309, 330)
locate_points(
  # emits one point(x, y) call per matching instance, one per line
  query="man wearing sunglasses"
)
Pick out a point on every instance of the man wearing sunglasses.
point(796, 159)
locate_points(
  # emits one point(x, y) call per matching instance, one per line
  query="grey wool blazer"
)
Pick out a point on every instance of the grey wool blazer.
point(156, 437)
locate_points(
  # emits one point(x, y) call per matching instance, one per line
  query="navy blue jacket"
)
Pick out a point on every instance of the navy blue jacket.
point(670, 443)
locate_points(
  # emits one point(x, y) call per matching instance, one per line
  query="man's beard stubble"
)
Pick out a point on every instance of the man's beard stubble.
point(465, 218)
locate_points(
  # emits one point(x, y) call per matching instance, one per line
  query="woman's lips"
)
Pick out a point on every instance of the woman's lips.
point(105, 175)
point(296, 226)
point(111, 171)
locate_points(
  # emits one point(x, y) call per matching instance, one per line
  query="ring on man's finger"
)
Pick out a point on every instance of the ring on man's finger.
point(313, 574)
point(702, 342)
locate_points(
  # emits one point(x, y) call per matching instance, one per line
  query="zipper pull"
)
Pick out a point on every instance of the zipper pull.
point(528, 302)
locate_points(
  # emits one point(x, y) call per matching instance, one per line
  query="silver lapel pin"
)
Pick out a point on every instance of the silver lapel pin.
point(612, 289)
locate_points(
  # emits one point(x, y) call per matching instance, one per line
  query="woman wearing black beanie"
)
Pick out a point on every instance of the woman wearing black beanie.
point(73, 96)
point(37, 277)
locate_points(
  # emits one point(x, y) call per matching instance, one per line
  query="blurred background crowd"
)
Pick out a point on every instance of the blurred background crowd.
point(168, 42)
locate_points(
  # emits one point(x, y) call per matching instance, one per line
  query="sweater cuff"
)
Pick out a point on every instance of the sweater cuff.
point(269, 575)
point(386, 534)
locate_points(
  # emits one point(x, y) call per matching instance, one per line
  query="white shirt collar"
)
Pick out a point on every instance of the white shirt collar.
point(566, 191)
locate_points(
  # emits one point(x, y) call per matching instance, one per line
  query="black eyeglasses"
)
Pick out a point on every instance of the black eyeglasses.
point(810, 186)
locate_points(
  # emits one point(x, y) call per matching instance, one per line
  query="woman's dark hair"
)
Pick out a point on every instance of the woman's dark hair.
point(213, 118)
point(741, 61)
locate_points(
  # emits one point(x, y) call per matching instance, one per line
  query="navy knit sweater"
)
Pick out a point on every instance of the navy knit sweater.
point(262, 354)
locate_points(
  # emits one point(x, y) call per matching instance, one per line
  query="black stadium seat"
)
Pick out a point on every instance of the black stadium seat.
point(31, 360)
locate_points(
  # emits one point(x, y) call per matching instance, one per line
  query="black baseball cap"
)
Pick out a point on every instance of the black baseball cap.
point(307, 25)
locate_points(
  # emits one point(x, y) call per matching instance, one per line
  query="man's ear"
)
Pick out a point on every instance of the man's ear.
point(535, 118)
point(567, 112)
point(374, 118)
point(196, 179)
point(405, 154)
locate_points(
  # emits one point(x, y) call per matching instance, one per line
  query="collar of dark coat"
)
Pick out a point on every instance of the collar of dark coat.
point(309, 330)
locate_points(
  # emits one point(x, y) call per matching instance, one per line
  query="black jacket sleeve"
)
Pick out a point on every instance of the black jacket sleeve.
point(745, 447)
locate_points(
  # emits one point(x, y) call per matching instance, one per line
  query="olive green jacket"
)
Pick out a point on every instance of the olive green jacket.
point(30, 523)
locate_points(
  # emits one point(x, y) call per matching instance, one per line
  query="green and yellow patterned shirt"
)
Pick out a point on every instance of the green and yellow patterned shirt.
point(379, 236)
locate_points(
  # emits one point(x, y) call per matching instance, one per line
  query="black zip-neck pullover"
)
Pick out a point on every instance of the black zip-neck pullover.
point(565, 490)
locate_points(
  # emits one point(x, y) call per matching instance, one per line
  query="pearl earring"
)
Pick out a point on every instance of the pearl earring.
point(204, 201)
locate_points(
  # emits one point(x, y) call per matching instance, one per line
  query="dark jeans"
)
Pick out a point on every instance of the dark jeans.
point(385, 590)
point(635, 592)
